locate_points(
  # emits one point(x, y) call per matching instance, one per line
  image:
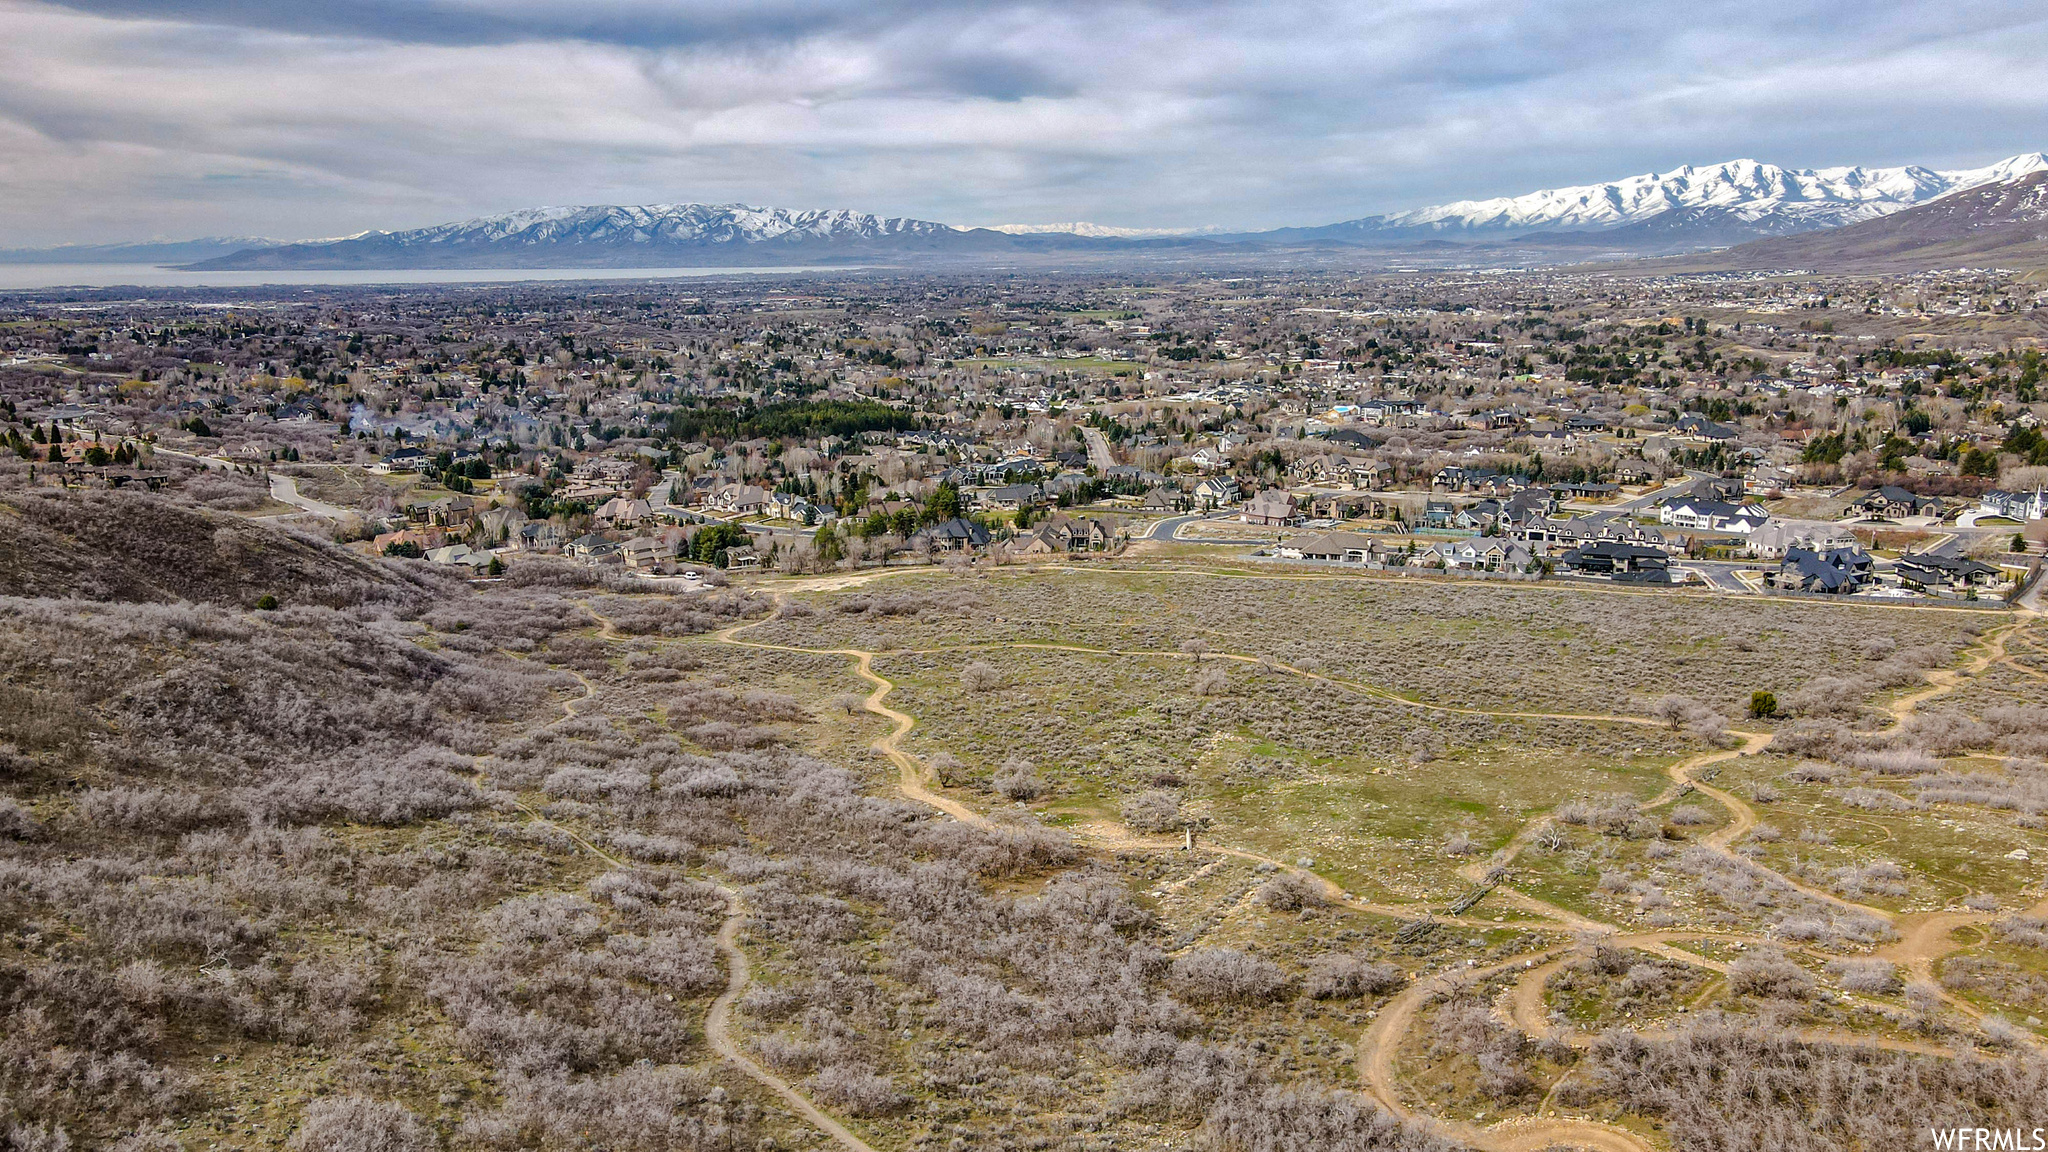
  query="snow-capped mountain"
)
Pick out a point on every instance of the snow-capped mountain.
point(1998, 225)
point(666, 223)
point(1764, 198)
point(615, 235)
point(1685, 210)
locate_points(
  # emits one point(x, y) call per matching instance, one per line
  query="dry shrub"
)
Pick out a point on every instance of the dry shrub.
point(1880, 977)
point(1471, 1029)
point(1018, 779)
point(2026, 931)
point(1614, 814)
point(1767, 974)
point(1156, 810)
point(1210, 975)
point(356, 1124)
point(1828, 696)
point(1291, 892)
point(856, 1091)
point(1348, 975)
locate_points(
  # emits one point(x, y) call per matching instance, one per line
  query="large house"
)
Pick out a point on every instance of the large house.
point(1927, 570)
point(622, 512)
point(1697, 427)
point(955, 535)
point(1895, 503)
point(1337, 547)
point(1273, 508)
point(1617, 559)
point(1011, 497)
point(2017, 505)
point(1065, 534)
point(1703, 515)
point(1481, 554)
point(1217, 491)
point(1836, 570)
point(1777, 538)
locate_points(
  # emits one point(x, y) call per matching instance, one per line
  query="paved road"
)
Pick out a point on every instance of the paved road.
point(1098, 450)
point(1165, 530)
point(1719, 574)
point(285, 490)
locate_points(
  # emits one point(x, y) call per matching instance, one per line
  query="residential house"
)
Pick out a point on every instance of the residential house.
point(1767, 481)
point(1217, 491)
point(642, 552)
point(540, 535)
point(1585, 490)
point(1925, 571)
point(1273, 508)
point(402, 460)
point(1164, 499)
point(1705, 515)
point(1066, 534)
point(2017, 505)
point(1696, 427)
point(501, 524)
point(461, 554)
point(1779, 537)
point(955, 535)
point(1617, 559)
point(1892, 502)
point(1334, 547)
point(1837, 570)
point(743, 500)
point(622, 512)
point(1011, 497)
point(604, 470)
point(1481, 554)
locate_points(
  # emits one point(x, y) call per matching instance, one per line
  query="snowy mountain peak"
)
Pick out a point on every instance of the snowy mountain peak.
point(664, 224)
point(1770, 198)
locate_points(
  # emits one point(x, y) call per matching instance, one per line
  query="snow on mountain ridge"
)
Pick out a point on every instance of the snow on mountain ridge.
point(665, 223)
point(1749, 189)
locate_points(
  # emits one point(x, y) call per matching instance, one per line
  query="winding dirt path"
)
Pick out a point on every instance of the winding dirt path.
point(1377, 1075)
point(1922, 942)
point(718, 1030)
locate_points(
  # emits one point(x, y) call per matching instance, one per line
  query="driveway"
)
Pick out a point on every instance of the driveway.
point(285, 490)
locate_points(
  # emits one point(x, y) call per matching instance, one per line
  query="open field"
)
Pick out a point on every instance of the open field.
point(896, 861)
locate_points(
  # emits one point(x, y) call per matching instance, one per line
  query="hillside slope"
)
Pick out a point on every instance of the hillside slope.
point(1998, 225)
point(130, 546)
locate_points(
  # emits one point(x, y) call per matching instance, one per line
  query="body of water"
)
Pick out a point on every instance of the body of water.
point(27, 276)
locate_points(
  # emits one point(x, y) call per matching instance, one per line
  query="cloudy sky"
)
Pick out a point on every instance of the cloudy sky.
point(128, 119)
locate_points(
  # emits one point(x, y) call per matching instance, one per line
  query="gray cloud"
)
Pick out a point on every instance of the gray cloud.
point(126, 118)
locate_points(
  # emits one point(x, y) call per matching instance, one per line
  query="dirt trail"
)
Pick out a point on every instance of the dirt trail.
point(1116, 837)
point(718, 1030)
point(1526, 1010)
point(1923, 941)
point(910, 777)
point(1377, 1076)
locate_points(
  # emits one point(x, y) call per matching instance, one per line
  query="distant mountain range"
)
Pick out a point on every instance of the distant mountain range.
point(2003, 225)
point(139, 252)
point(647, 236)
point(1742, 194)
point(1738, 206)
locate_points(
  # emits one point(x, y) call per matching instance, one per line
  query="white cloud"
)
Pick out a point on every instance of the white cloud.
point(323, 118)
